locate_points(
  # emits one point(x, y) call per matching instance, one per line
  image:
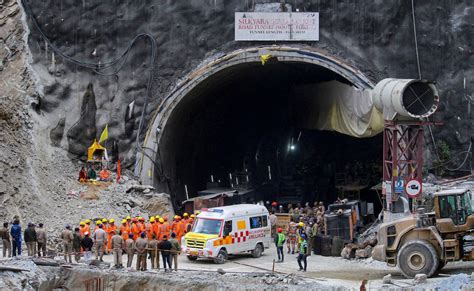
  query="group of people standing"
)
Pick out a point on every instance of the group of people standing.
point(304, 225)
point(133, 237)
point(35, 238)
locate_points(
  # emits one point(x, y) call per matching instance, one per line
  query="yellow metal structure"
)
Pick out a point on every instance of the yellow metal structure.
point(96, 152)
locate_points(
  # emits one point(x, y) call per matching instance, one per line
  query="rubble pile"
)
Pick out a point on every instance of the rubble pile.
point(38, 180)
point(273, 279)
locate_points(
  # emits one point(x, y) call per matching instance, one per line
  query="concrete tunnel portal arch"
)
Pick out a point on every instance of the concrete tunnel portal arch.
point(234, 114)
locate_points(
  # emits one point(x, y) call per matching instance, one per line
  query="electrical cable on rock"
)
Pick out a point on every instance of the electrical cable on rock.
point(107, 68)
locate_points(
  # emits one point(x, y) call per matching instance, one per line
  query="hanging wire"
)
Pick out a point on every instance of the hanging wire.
point(107, 68)
point(416, 39)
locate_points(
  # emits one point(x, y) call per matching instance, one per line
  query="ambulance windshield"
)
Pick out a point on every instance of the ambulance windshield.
point(207, 226)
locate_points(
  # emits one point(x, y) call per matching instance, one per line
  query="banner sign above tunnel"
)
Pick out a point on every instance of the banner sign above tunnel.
point(256, 26)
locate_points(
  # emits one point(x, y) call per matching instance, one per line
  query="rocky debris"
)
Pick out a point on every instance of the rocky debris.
point(273, 279)
point(358, 251)
point(363, 253)
point(387, 279)
point(455, 282)
point(45, 262)
point(140, 188)
point(80, 276)
point(420, 279)
point(31, 276)
point(159, 203)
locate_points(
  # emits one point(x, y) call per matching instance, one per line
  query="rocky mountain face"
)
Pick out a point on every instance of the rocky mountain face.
point(377, 38)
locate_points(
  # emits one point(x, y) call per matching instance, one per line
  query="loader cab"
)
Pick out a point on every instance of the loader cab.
point(453, 210)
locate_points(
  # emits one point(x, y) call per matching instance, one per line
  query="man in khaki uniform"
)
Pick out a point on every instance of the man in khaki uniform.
point(130, 249)
point(175, 250)
point(67, 238)
point(153, 252)
point(141, 246)
point(100, 239)
point(42, 240)
point(117, 245)
point(6, 240)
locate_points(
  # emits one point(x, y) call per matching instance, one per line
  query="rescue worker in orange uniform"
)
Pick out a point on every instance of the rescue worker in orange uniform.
point(182, 229)
point(124, 229)
point(82, 226)
point(168, 226)
point(111, 230)
point(135, 229)
point(185, 217)
point(175, 225)
point(87, 226)
point(141, 223)
point(150, 228)
point(162, 229)
point(129, 221)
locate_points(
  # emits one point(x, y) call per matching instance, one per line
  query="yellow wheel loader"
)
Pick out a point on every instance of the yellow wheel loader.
point(423, 243)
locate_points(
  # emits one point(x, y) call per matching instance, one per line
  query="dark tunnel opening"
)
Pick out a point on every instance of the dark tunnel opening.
point(239, 129)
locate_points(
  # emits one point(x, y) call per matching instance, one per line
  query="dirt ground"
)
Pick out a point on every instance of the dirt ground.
point(325, 271)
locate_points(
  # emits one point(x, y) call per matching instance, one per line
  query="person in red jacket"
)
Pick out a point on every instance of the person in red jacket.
point(82, 175)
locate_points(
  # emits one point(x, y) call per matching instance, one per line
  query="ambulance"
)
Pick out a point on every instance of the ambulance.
point(228, 230)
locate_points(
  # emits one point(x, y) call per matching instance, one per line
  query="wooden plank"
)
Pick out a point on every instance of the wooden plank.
point(12, 269)
point(283, 220)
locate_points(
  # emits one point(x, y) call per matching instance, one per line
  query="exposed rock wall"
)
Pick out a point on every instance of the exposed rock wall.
point(375, 36)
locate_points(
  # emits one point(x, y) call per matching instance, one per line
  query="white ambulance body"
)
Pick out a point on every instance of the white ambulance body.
point(228, 230)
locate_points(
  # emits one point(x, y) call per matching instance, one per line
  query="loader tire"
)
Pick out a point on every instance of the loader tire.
point(417, 257)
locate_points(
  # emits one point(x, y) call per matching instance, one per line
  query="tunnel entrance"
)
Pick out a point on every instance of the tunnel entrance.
point(243, 128)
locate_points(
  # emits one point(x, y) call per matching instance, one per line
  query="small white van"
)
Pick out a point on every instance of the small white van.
point(228, 230)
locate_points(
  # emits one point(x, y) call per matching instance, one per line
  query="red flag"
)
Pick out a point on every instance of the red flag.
point(118, 170)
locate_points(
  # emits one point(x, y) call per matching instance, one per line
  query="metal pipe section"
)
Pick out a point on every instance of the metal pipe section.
point(405, 98)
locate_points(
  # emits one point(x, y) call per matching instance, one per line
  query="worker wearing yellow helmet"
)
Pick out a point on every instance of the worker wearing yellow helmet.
point(162, 229)
point(301, 231)
point(185, 218)
point(198, 212)
point(151, 228)
point(98, 222)
point(157, 217)
point(87, 226)
point(125, 229)
point(141, 224)
point(82, 225)
point(129, 221)
point(193, 216)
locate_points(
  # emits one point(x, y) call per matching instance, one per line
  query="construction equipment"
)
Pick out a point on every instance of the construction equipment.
point(343, 219)
point(423, 243)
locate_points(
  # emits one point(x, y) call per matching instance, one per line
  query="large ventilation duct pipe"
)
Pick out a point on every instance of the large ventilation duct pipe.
point(405, 98)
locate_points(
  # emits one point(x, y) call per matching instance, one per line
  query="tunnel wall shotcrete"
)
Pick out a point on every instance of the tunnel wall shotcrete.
point(375, 37)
